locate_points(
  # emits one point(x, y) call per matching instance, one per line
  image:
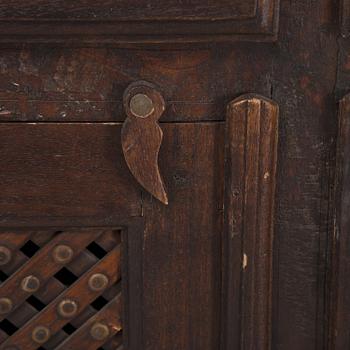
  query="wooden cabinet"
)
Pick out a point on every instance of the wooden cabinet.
point(173, 175)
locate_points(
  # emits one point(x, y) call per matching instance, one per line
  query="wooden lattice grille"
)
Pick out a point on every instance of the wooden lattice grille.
point(60, 290)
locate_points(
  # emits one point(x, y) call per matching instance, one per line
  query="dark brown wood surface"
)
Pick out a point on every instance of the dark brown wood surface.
point(142, 137)
point(250, 180)
point(126, 9)
point(65, 174)
point(181, 242)
point(67, 168)
point(341, 265)
point(106, 21)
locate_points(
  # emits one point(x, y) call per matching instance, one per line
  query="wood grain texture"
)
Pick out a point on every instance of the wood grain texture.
point(66, 174)
point(250, 178)
point(142, 138)
point(133, 10)
point(304, 83)
point(181, 242)
point(103, 21)
point(345, 18)
point(340, 334)
point(86, 85)
point(180, 246)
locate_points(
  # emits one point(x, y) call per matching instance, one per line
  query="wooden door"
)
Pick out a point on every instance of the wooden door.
point(168, 175)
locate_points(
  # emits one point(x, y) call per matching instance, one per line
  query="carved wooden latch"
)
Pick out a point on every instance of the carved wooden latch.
point(142, 136)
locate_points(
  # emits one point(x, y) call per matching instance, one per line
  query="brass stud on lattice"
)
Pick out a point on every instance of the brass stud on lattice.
point(63, 254)
point(99, 331)
point(67, 308)
point(98, 282)
point(30, 284)
point(5, 255)
point(6, 306)
point(41, 334)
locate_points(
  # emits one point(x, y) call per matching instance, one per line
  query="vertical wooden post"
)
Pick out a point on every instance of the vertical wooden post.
point(250, 177)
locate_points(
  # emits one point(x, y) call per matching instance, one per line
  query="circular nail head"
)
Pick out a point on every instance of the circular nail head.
point(99, 331)
point(98, 282)
point(41, 334)
point(141, 106)
point(67, 308)
point(63, 254)
point(5, 255)
point(30, 284)
point(5, 306)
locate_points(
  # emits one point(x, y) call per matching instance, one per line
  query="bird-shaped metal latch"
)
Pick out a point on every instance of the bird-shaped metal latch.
point(142, 136)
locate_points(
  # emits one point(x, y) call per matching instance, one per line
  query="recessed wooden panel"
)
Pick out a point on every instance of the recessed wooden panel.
point(106, 21)
point(345, 17)
point(65, 174)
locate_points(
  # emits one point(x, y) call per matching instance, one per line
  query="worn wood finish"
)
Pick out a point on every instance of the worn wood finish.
point(183, 312)
point(126, 10)
point(345, 17)
point(137, 22)
point(341, 302)
point(173, 255)
point(87, 85)
point(142, 137)
point(49, 178)
point(250, 178)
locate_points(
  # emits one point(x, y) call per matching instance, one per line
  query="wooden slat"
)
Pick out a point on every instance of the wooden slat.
point(43, 265)
point(110, 315)
point(251, 156)
point(109, 265)
point(14, 240)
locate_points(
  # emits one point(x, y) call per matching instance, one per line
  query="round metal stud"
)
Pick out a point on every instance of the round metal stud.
point(98, 282)
point(141, 106)
point(67, 308)
point(99, 331)
point(41, 334)
point(5, 255)
point(5, 306)
point(30, 284)
point(63, 254)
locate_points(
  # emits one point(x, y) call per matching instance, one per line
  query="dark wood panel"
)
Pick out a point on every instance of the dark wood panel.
point(64, 174)
point(104, 21)
point(181, 242)
point(134, 10)
point(52, 84)
point(345, 17)
point(340, 334)
point(303, 85)
point(45, 276)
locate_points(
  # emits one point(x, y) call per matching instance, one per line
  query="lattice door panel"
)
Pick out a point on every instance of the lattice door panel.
point(60, 290)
